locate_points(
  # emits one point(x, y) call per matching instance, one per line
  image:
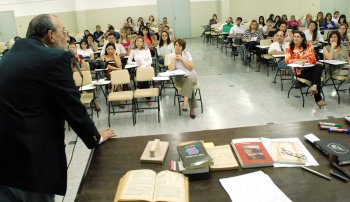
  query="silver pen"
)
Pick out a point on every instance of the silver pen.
point(316, 173)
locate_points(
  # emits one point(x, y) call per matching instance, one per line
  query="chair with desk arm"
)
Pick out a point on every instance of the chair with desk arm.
point(179, 98)
point(303, 83)
point(336, 79)
point(87, 98)
point(146, 74)
point(118, 79)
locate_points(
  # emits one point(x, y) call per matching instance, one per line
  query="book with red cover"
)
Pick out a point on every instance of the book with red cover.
point(251, 153)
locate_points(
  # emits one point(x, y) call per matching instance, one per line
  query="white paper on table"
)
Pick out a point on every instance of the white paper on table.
point(256, 186)
point(310, 161)
point(177, 72)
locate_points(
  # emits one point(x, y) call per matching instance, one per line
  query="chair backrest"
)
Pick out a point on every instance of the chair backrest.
point(265, 42)
point(87, 79)
point(166, 60)
point(144, 74)
point(120, 77)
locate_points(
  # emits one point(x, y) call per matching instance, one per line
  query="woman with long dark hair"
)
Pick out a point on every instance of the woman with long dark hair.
point(165, 47)
point(312, 34)
point(300, 52)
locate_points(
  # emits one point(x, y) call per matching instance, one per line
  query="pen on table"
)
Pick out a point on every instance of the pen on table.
point(316, 173)
point(339, 130)
point(339, 176)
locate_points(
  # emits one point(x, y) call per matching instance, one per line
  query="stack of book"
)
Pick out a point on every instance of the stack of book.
point(194, 158)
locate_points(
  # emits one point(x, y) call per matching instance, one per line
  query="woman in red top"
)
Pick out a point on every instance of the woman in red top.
point(301, 52)
point(148, 39)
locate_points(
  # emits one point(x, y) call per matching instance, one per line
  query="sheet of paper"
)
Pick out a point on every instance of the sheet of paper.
point(256, 186)
point(310, 161)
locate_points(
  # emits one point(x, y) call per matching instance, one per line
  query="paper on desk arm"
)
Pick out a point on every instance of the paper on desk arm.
point(256, 186)
point(310, 160)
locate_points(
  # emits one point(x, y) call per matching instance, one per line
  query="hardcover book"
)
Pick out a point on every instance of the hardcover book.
point(251, 153)
point(331, 146)
point(194, 155)
point(147, 185)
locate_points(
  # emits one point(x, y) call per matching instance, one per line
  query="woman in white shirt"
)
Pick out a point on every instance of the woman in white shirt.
point(313, 35)
point(143, 58)
point(182, 59)
point(165, 47)
point(140, 54)
point(84, 51)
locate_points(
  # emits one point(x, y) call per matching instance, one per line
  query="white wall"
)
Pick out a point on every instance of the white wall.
point(35, 7)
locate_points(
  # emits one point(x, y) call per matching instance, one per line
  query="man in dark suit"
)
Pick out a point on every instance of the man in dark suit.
point(37, 95)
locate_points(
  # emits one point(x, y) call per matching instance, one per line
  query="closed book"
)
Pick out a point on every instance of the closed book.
point(251, 153)
point(183, 170)
point(194, 155)
point(223, 158)
point(331, 146)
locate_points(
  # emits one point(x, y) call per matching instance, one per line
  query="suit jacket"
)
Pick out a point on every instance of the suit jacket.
point(37, 95)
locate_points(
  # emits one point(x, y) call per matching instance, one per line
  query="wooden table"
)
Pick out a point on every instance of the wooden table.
point(114, 158)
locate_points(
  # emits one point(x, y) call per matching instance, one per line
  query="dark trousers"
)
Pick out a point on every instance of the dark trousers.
point(10, 194)
point(314, 74)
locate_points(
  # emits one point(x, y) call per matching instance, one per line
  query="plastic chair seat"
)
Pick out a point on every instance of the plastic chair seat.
point(149, 92)
point(119, 96)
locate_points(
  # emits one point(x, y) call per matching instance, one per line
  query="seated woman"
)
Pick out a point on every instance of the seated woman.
point(343, 31)
point(293, 23)
point(92, 44)
point(165, 47)
point(252, 37)
point(312, 34)
point(335, 51)
point(301, 52)
point(85, 51)
point(306, 21)
point(128, 23)
point(138, 26)
point(152, 22)
point(83, 65)
point(143, 58)
point(328, 23)
point(182, 59)
point(320, 21)
point(342, 20)
point(124, 40)
point(261, 23)
point(111, 59)
point(148, 39)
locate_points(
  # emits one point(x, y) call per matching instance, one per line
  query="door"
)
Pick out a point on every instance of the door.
point(178, 13)
point(8, 28)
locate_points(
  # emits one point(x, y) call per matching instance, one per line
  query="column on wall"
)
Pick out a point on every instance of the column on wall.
point(225, 10)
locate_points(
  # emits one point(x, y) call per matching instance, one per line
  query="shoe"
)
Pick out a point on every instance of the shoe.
point(321, 103)
point(184, 109)
point(97, 109)
point(192, 114)
point(313, 91)
point(149, 103)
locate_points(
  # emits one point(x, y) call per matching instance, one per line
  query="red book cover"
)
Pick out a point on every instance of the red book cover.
point(251, 153)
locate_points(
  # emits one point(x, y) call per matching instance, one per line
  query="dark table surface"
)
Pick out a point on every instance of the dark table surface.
point(113, 159)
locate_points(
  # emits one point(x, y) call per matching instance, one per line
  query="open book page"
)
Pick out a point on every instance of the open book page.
point(223, 158)
point(310, 160)
point(256, 186)
point(170, 186)
point(138, 185)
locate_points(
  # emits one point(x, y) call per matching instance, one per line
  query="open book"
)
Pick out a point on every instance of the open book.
point(147, 185)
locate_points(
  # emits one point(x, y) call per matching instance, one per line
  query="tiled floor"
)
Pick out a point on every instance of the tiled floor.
point(234, 95)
